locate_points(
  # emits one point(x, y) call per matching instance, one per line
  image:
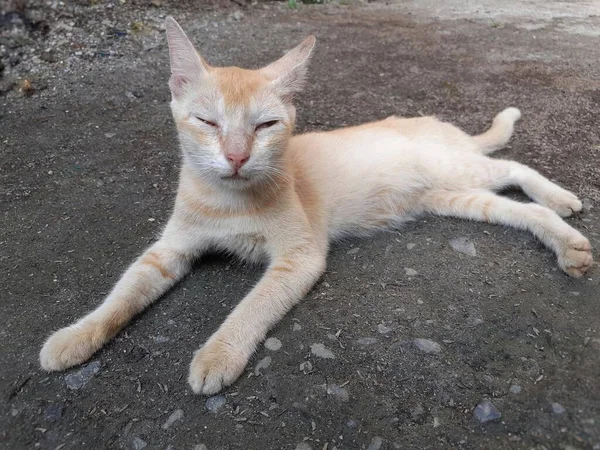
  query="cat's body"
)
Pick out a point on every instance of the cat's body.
point(248, 187)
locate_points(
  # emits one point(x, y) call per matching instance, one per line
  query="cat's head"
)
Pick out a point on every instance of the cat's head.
point(234, 124)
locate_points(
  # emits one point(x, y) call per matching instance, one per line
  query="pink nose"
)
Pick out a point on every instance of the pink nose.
point(237, 160)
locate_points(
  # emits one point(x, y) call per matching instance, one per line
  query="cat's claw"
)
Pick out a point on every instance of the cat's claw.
point(215, 366)
point(576, 259)
point(66, 348)
point(564, 203)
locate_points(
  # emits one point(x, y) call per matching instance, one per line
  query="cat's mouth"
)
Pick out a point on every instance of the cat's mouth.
point(235, 176)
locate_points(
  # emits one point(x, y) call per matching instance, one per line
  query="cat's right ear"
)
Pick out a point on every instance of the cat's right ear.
point(187, 65)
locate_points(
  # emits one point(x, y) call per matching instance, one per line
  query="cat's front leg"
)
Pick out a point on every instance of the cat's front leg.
point(225, 355)
point(157, 270)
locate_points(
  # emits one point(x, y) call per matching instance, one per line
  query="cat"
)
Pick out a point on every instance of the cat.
point(249, 187)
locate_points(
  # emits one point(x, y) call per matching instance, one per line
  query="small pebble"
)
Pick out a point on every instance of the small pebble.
point(110, 135)
point(366, 341)
point(273, 344)
point(353, 251)
point(557, 408)
point(237, 15)
point(296, 327)
point(215, 403)
point(427, 346)
point(80, 378)
point(160, 339)
point(515, 389)
point(303, 446)
point(262, 364)
point(410, 272)
point(338, 392)
point(375, 443)
point(486, 411)
point(410, 246)
point(352, 424)
point(321, 351)
point(138, 443)
point(463, 245)
point(383, 329)
point(174, 417)
point(53, 412)
point(200, 447)
point(306, 367)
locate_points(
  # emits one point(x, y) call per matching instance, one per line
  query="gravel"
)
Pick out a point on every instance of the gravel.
point(273, 344)
point(557, 408)
point(486, 412)
point(463, 245)
point(262, 364)
point(375, 443)
point(427, 346)
point(320, 351)
point(215, 403)
point(174, 417)
point(79, 379)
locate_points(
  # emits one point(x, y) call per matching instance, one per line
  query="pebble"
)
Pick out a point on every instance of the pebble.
point(557, 408)
point(463, 245)
point(366, 341)
point(306, 367)
point(80, 378)
point(338, 392)
point(262, 364)
point(587, 204)
point(417, 412)
point(383, 329)
point(375, 443)
point(215, 403)
point(353, 251)
point(486, 411)
point(200, 447)
point(427, 346)
point(321, 351)
point(53, 412)
point(410, 272)
point(303, 446)
point(160, 339)
point(410, 246)
point(515, 389)
point(296, 327)
point(352, 424)
point(237, 15)
point(174, 417)
point(110, 135)
point(138, 443)
point(273, 344)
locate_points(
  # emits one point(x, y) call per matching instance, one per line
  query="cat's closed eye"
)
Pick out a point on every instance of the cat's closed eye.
point(269, 124)
point(207, 122)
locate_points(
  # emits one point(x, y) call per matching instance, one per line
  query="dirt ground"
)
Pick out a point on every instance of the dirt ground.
point(88, 172)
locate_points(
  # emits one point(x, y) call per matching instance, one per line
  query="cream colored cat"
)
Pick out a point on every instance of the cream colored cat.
point(247, 186)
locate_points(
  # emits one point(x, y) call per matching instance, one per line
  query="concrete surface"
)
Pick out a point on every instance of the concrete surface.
point(88, 171)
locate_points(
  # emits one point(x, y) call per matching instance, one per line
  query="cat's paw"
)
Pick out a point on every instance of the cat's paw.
point(215, 366)
point(66, 348)
point(576, 258)
point(564, 203)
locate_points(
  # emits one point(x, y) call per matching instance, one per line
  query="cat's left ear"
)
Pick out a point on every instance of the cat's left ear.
point(289, 72)
point(187, 65)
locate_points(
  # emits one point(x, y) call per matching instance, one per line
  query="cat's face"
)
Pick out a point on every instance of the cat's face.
point(233, 123)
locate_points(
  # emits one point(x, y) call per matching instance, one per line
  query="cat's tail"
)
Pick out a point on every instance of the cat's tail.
point(499, 133)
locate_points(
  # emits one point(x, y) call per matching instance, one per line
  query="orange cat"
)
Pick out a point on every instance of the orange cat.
point(249, 187)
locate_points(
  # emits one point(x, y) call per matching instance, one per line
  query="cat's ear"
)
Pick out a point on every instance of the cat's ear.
point(187, 65)
point(289, 72)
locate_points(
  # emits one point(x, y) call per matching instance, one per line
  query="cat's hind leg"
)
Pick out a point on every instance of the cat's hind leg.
point(501, 174)
point(572, 249)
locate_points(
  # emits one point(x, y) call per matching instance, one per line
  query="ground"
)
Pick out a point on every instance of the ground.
point(88, 173)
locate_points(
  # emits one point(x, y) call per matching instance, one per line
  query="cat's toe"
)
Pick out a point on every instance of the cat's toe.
point(66, 348)
point(577, 257)
point(214, 367)
point(564, 203)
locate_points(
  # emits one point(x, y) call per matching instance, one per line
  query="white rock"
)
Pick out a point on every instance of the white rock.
point(321, 351)
point(273, 344)
point(174, 417)
point(410, 272)
point(463, 245)
point(262, 364)
point(427, 346)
